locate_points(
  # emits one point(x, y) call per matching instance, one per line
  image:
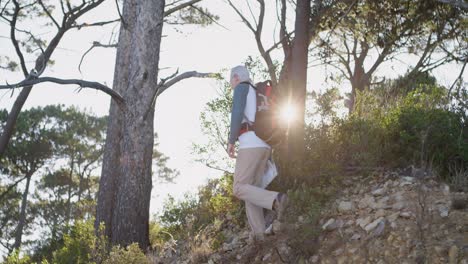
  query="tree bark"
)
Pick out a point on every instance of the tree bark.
point(297, 75)
point(22, 216)
point(125, 185)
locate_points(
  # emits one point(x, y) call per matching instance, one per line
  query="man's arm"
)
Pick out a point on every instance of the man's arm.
point(238, 107)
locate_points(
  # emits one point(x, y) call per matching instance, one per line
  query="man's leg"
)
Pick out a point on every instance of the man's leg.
point(250, 166)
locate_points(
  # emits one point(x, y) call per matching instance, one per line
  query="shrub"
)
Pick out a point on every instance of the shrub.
point(132, 254)
point(14, 258)
point(78, 244)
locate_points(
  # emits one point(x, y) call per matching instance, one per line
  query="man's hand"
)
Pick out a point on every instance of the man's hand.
point(231, 150)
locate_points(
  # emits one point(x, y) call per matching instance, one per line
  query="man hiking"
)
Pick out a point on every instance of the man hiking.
point(252, 156)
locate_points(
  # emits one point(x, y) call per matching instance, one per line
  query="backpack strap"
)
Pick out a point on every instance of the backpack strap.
point(249, 83)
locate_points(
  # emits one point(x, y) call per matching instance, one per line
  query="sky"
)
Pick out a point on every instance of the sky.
point(205, 49)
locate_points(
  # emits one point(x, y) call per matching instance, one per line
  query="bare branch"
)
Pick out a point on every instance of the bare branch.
point(216, 168)
point(95, 45)
point(120, 14)
point(85, 84)
point(244, 19)
point(208, 16)
point(180, 7)
point(164, 85)
point(15, 41)
point(96, 24)
point(458, 78)
point(281, 42)
point(284, 36)
point(183, 76)
point(49, 14)
point(251, 13)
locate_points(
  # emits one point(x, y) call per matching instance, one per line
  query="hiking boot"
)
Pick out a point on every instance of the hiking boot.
point(281, 202)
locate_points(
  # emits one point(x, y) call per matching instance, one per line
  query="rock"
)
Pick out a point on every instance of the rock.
point(393, 217)
point(366, 202)
point(301, 261)
point(301, 219)
point(444, 211)
point(408, 179)
point(314, 259)
point(283, 249)
point(338, 252)
point(356, 237)
point(330, 225)
point(405, 215)
point(363, 222)
point(238, 257)
point(373, 225)
point(342, 260)
point(378, 192)
point(345, 206)
point(211, 261)
point(381, 204)
point(349, 223)
point(380, 213)
point(230, 246)
point(276, 226)
point(446, 189)
point(441, 251)
point(453, 254)
point(399, 205)
point(267, 256)
point(379, 230)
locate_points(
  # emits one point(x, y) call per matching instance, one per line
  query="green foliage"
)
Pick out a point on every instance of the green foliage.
point(78, 244)
point(403, 122)
point(187, 218)
point(14, 258)
point(132, 254)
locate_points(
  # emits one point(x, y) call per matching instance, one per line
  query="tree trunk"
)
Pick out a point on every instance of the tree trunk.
point(297, 75)
point(360, 81)
point(22, 216)
point(125, 185)
point(69, 205)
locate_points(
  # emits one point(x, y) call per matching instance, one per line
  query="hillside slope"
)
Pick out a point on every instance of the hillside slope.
point(388, 217)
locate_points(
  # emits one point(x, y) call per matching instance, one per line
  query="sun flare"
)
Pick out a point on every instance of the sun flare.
point(288, 113)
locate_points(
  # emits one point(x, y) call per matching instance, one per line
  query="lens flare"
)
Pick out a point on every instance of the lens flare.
point(288, 113)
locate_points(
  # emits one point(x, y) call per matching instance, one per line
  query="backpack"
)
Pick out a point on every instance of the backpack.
point(268, 125)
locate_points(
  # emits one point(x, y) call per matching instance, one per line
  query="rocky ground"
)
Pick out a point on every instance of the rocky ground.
point(389, 217)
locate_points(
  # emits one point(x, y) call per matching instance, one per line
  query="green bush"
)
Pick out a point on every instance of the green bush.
point(132, 254)
point(14, 258)
point(186, 218)
point(81, 245)
point(78, 244)
point(415, 127)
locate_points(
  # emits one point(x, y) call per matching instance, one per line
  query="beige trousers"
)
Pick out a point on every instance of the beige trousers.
point(250, 167)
